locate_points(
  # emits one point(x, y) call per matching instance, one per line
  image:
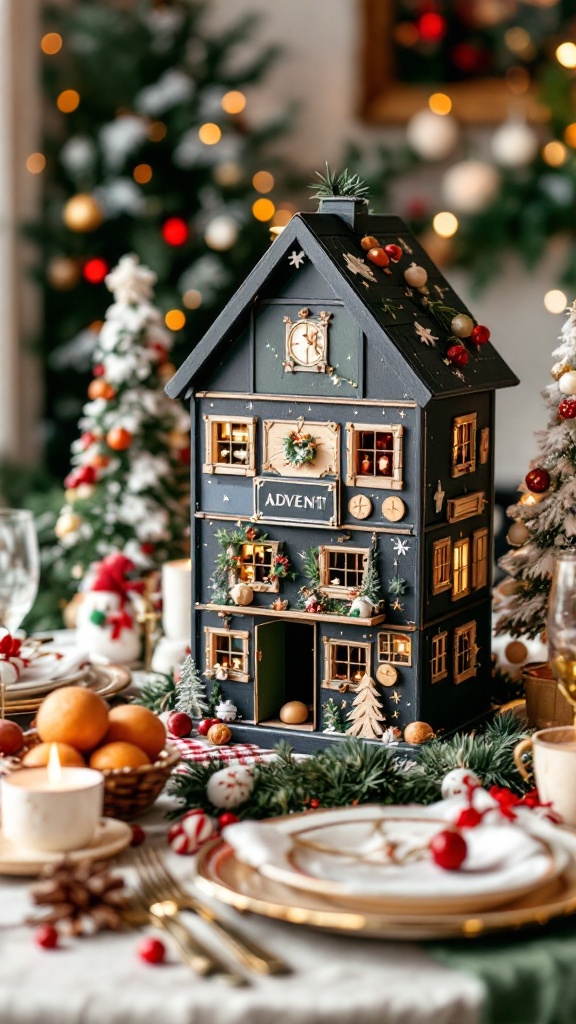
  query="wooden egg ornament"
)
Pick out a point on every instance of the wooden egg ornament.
point(418, 732)
point(219, 734)
point(378, 256)
point(518, 534)
point(567, 383)
point(537, 480)
point(462, 325)
point(191, 832)
point(516, 652)
point(242, 594)
point(369, 242)
point(229, 787)
point(415, 276)
point(294, 712)
point(118, 439)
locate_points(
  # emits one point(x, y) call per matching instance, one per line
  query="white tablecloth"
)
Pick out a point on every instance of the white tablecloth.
point(336, 980)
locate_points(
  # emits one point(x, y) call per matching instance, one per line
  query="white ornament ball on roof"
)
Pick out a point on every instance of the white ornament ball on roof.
point(567, 383)
point(432, 136)
point(470, 186)
point(221, 233)
point(514, 144)
point(229, 787)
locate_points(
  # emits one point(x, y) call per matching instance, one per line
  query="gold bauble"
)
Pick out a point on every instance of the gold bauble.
point(508, 587)
point(63, 273)
point(418, 732)
point(294, 712)
point(518, 534)
point(178, 439)
point(67, 523)
point(82, 213)
point(165, 372)
point(516, 652)
point(81, 493)
point(559, 369)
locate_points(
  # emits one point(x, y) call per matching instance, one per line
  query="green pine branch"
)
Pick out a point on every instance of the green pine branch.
point(338, 184)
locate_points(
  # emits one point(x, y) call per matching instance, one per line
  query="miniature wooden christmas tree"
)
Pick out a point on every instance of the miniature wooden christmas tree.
point(366, 713)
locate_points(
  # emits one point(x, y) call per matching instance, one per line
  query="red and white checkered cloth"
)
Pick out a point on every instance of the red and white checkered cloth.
point(193, 749)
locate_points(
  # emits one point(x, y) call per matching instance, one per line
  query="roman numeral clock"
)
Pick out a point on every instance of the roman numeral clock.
point(307, 342)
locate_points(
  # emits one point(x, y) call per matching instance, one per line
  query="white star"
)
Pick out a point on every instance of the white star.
point(402, 414)
point(439, 496)
point(425, 334)
point(129, 282)
point(358, 266)
point(296, 259)
point(401, 547)
point(225, 498)
point(250, 405)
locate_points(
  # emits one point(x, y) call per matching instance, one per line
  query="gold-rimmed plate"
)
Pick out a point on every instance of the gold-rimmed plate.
point(105, 680)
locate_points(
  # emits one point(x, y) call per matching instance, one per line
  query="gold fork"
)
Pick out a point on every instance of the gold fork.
point(164, 912)
point(249, 953)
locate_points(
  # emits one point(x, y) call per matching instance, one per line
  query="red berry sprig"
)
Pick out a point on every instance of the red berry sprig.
point(458, 355)
point(46, 936)
point(480, 335)
point(151, 951)
point(227, 818)
point(138, 835)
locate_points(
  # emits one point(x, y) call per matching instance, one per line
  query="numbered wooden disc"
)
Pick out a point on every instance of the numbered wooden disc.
point(387, 675)
point(393, 509)
point(360, 506)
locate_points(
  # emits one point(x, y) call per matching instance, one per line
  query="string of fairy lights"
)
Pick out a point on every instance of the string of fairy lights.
point(83, 213)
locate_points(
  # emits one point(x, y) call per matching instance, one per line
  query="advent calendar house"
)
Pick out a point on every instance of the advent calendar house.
point(342, 483)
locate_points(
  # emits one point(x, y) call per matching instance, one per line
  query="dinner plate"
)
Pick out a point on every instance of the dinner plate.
point(111, 837)
point(222, 876)
point(379, 857)
point(105, 680)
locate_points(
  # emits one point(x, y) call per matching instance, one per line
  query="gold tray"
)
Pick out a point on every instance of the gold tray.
point(222, 876)
point(105, 680)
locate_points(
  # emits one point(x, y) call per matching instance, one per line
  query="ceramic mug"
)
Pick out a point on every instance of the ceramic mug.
point(554, 768)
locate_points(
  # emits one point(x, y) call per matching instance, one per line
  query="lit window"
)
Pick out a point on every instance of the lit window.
point(230, 446)
point(464, 444)
point(441, 565)
point(375, 456)
point(479, 559)
point(395, 648)
point(438, 661)
point(465, 651)
point(461, 568)
point(255, 565)
point(345, 665)
point(227, 653)
point(341, 570)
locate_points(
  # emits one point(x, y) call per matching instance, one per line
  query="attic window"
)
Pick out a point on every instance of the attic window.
point(230, 445)
point(463, 444)
point(345, 664)
point(341, 570)
point(255, 565)
point(375, 455)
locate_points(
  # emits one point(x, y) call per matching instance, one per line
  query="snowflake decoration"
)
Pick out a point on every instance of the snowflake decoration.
point(225, 498)
point(401, 547)
point(402, 414)
point(296, 259)
point(358, 266)
point(425, 334)
point(397, 606)
point(395, 714)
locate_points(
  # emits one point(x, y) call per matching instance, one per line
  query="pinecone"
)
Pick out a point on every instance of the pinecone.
point(84, 898)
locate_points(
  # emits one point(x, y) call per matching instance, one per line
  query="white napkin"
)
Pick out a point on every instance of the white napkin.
point(58, 662)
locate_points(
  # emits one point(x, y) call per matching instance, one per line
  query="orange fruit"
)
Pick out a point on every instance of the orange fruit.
point(37, 757)
point(118, 755)
point(72, 715)
point(134, 724)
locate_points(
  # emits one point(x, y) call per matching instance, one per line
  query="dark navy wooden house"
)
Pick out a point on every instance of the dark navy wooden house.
point(346, 358)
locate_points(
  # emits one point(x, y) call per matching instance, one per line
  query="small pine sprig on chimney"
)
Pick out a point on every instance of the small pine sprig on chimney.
point(342, 184)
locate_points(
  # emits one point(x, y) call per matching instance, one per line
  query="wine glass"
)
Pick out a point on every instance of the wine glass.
point(19, 566)
point(561, 626)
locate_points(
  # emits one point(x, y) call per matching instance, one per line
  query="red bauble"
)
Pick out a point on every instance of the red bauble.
point(227, 818)
point(314, 803)
point(147, 548)
point(431, 27)
point(458, 355)
point(80, 475)
point(179, 723)
point(138, 835)
point(86, 440)
point(99, 370)
point(160, 352)
point(184, 456)
point(175, 231)
point(151, 951)
point(537, 480)
point(205, 724)
point(448, 849)
point(567, 409)
point(395, 252)
point(95, 270)
point(118, 439)
point(480, 335)
point(379, 256)
point(469, 818)
point(46, 936)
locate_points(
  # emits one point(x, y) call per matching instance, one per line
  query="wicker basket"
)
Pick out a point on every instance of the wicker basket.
point(128, 792)
point(545, 705)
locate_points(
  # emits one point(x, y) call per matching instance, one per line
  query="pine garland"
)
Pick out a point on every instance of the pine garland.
point(353, 772)
point(158, 693)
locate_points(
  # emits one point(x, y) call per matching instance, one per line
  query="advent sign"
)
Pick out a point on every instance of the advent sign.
point(296, 501)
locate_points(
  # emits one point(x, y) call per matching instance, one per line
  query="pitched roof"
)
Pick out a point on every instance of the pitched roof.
point(386, 309)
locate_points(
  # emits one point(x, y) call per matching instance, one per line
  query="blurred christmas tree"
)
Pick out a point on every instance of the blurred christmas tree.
point(148, 150)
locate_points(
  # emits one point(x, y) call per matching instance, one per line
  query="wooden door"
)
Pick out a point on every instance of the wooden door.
point(270, 670)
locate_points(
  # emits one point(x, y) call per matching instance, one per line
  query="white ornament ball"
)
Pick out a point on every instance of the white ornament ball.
point(67, 523)
point(415, 276)
point(221, 233)
point(567, 383)
point(230, 787)
point(242, 594)
point(459, 782)
point(191, 832)
point(514, 144)
point(470, 186)
point(518, 534)
point(462, 325)
point(432, 136)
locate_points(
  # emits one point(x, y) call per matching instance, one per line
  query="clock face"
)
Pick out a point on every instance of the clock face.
point(393, 509)
point(306, 343)
point(360, 506)
point(386, 674)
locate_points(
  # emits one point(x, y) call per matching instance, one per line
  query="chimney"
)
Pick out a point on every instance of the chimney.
point(352, 210)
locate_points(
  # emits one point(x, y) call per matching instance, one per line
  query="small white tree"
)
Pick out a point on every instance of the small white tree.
point(190, 690)
point(366, 713)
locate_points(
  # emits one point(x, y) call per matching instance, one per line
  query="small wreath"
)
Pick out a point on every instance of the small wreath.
point(299, 449)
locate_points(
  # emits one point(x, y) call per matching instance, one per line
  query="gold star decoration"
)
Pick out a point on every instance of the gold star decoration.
point(395, 697)
point(395, 714)
point(398, 606)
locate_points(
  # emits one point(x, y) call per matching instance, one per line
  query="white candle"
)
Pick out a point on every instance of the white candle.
point(53, 809)
point(177, 599)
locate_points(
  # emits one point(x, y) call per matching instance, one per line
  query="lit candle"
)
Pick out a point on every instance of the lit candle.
point(177, 599)
point(52, 809)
